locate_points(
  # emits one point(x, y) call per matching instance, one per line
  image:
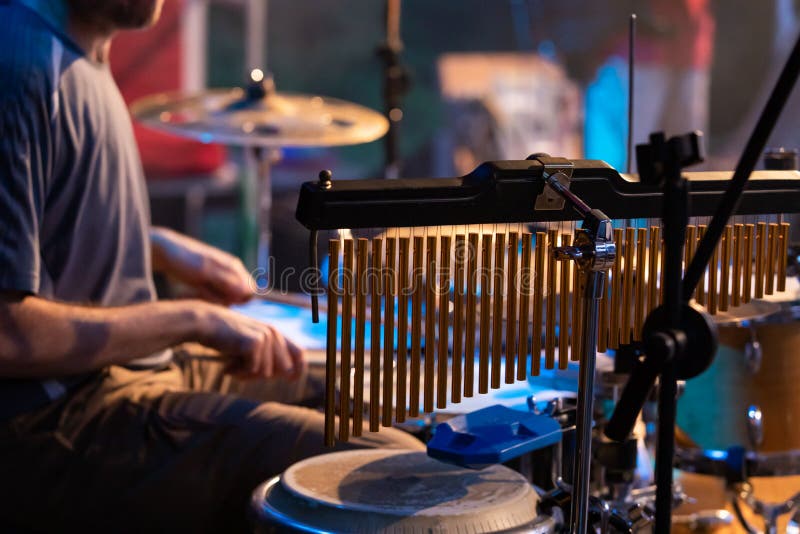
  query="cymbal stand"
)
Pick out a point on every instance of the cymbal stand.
point(396, 83)
point(258, 164)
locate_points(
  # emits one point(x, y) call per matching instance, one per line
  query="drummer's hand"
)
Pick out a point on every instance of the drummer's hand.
point(253, 349)
point(215, 275)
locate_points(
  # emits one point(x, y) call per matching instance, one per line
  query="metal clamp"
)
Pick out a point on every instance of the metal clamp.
point(558, 170)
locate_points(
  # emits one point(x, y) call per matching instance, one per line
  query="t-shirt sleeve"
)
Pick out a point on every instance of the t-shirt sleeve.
point(24, 149)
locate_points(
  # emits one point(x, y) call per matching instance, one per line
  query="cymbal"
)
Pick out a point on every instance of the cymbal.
point(229, 116)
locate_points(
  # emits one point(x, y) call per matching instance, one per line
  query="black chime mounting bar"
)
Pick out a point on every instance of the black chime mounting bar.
point(502, 192)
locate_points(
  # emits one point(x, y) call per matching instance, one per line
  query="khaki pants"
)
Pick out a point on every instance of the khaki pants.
point(175, 450)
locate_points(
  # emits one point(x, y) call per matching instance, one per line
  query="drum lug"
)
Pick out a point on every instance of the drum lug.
point(753, 353)
point(755, 426)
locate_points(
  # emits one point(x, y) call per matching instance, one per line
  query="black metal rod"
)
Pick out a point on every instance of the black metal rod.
point(395, 85)
point(675, 218)
point(747, 162)
point(631, 65)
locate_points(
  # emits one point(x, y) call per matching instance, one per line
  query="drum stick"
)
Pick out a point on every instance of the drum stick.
point(376, 291)
point(485, 320)
point(458, 318)
point(402, 330)
point(565, 276)
point(736, 289)
point(511, 305)
point(416, 326)
point(330, 351)
point(783, 255)
point(747, 275)
point(550, 321)
point(430, 324)
point(761, 242)
point(472, 302)
point(641, 263)
point(538, 300)
point(772, 250)
point(347, 320)
point(616, 294)
point(627, 298)
point(524, 282)
point(444, 319)
point(389, 272)
point(497, 312)
point(724, 273)
point(362, 252)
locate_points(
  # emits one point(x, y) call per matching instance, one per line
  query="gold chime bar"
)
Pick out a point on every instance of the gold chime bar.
point(761, 242)
point(700, 293)
point(538, 299)
point(430, 325)
point(550, 319)
point(575, 327)
point(497, 312)
point(641, 259)
point(614, 335)
point(627, 296)
point(738, 241)
point(525, 280)
point(772, 249)
point(749, 238)
point(402, 329)
point(472, 300)
point(347, 318)
point(416, 326)
point(376, 289)
point(458, 317)
point(724, 275)
point(485, 319)
point(652, 266)
point(511, 306)
point(565, 277)
point(783, 255)
point(330, 351)
point(388, 276)
point(362, 253)
point(444, 326)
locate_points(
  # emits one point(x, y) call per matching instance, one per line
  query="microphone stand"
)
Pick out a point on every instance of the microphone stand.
point(680, 341)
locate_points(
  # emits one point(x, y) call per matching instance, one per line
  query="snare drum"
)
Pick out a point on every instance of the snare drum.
point(395, 491)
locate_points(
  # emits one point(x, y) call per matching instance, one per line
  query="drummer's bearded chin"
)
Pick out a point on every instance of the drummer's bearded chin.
point(116, 14)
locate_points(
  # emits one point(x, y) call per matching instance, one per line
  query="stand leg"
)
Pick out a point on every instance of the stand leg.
point(579, 516)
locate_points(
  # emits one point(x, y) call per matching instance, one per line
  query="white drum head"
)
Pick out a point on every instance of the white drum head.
point(405, 483)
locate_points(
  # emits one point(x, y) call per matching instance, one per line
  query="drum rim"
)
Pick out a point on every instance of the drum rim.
point(757, 464)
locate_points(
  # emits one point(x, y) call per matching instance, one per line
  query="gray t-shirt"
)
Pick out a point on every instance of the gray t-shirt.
point(74, 217)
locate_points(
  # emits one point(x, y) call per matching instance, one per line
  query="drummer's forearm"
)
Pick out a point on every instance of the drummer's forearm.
point(41, 338)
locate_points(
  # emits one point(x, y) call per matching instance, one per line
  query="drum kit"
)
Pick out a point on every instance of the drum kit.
point(741, 420)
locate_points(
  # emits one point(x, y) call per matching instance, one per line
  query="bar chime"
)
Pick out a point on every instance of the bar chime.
point(427, 316)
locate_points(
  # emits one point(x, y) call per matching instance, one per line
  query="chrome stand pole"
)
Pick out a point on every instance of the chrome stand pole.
point(594, 284)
